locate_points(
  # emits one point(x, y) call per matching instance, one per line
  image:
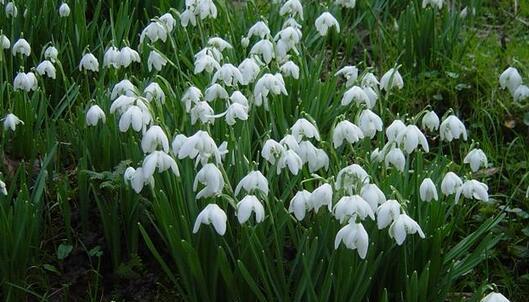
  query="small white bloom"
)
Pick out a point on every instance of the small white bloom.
point(154, 31)
point(452, 128)
point(89, 62)
point(212, 214)
point(428, 191)
point(46, 68)
point(451, 183)
point(473, 189)
point(391, 79)
point(156, 61)
point(254, 181)
point(161, 161)
point(321, 196)
point(25, 81)
point(495, 297)
point(373, 195)
point(94, 114)
point(402, 226)
point(430, 121)
point(290, 69)
point(11, 10)
point(290, 160)
point(64, 10)
point(206, 9)
point(259, 29)
point(356, 94)
point(21, 47)
point(476, 158)
point(410, 138)
point(326, 21)
point(349, 206)
point(11, 121)
point(206, 63)
point(236, 111)
point(387, 212)
point(191, 96)
point(300, 204)
point(214, 92)
point(393, 130)
point(154, 92)
point(370, 123)
point(219, 43)
point(272, 151)
point(350, 73)
point(136, 179)
point(229, 74)
point(268, 83)
point(370, 80)
point(135, 116)
point(350, 178)
point(111, 57)
point(211, 177)
point(203, 112)
point(246, 206)
point(168, 20)
point(291, 142)
point(432, 3)
point(320, 160)
point(249, 70)
point(153, 138)
point(292, 8)
point(355, 237)
point(127, 56)
point(239, 98)
point(396, 158)
point(4, 42)
point(302, 128)
point(265, 49)
point(123, 87)
point(521, 93)
point(3, 188)
point(346, 3)
point(510, 79)
point(51, 54)
point(346, 131)
point(186, 17)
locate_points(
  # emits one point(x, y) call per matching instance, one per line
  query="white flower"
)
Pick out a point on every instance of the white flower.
point(211, 214)
point(124, 87)
point(3, 189)
point(290, 160)
point(154, 31)
point(11, 121)
point(161, 161)
point(89, 62)
point(94, 114)
point(451, 183)
point(346, 4)
point(402, 226)
point(410, 138)
point(4, 42)
point(272, 151)
point(246, 206)
point(286, 40)
point(127, 56)
point(326, 21)
point(356, 94)
point(350, 73)
point(473, 189)
point(25, 81)
point(191, 96)
point(205, 9)
point(64, 10)
point(156, 61)
point(229, 74)
point(168, 20)
point(494, 297)
point(302, 128)
point(433, 3)
point(11, 10)
point(369, 122)
point(300, 204)
point(152, 138)
point(211, 177)
point(206, 62)
point(268, 83)
point(199, 144)
point(396, 158)
point(154, 91)
point(135, 116)
point(391, 79)
point(510, 79)
point(203, 112)
point(350, 177)
point(370, 80)
point(290, 69)
point(476, 158)
point(259, 29)
point(111, 57)
point(21, 47)
point(291, 142)
point(387, 212)
point(249, 70)
point(136, 179)
point(239, 98)
point(521, 93)
point(320, 160)
point(349, 206)
point(254, 181)
point(393, 130)
point(452, 128)
point(51, 54)
point(373, 195)
point(236, 111)
point(46, 68)
point(265, 49)
point(188, 16)
point(292, 8)
point(428, 191)
point(430, 121)
point(354, 236)
point(346, 131)
point(214, 92)
point(219, 43)
point(321, 196)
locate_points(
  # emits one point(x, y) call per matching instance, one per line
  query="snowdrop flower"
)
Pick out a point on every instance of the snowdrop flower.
point(161, 161)
point(451, 183)
point(186, 17)
point(521, 93)
point(299, 204)
point(212, 214)
point(191, 96)
point(25, 81)
point(291, 142)
point(11, 10)
point(268, 83)
point(11, 121)
point(292, 8)
point(111, 57)
point(214, 92)
point(432, 3)
point(476, 158)
point(302, 128)
point(350, 73)
point(396, 158)
point(272, 151)
point(64, 10)
point(206, 9)
point(369, 122)
point(494, 297)
point(168, 20)
point(94, 114)
point(410, 138)
point(154, 91)
point(254, 181)
point(346, 4)
point(394, 129)
point(156, 61)
point(203, 112)
point(178, 143)
point(229, 74)
point(154, 31)
point(370, 80)
point(265, 49)
point(430, 121)
point(134, 116)
point(291, 160)
point(123, 87)
point(206, 62)
point(391, 79)
point(219, 43)
point(321, 196)
point(153, 138)
point(239, 98)
point(212, 178)
point(46, 68)
point(199, 144)
point(346, 131)
point(4, 42)
point(136, 179)
point(249, 70)
point(290, 69)
point(127, 56)
point(510, 79)
point(236, 111)
point(3, 189)
point(354, 237)
point(286, 40)
point(427, 190)
point(326, 21)
point(387, 212)
point(51, 54)
point(259, 29)
point(373, 195)
point(349, 206)
point(89, 62)
point(473, 189)
point(356, 94)
point(246, 206)
point(452, 128)
point(320, 160)
point(402, 226)
point(350, 177)
point(21, 47)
